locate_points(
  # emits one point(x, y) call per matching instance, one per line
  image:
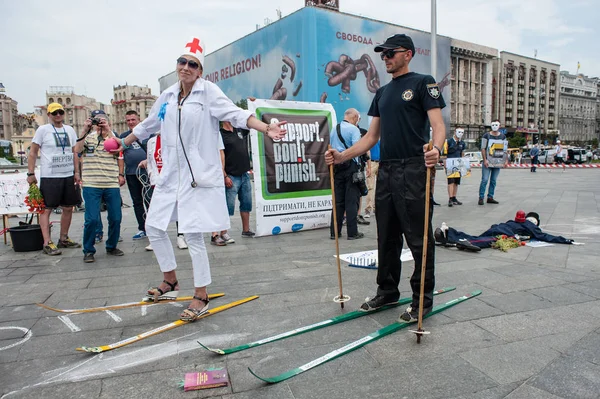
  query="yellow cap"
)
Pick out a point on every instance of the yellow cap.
point(54, 107)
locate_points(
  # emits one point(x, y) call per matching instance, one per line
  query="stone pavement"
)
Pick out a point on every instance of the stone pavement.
point(533, 333)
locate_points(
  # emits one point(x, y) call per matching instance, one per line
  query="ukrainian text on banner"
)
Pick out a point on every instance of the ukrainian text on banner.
point(291, 178)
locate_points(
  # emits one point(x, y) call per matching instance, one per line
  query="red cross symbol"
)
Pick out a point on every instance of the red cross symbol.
point(194, 46)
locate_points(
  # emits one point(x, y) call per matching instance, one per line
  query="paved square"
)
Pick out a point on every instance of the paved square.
point(533, 333)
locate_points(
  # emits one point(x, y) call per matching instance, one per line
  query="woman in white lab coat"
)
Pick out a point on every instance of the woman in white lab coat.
point(190, 187)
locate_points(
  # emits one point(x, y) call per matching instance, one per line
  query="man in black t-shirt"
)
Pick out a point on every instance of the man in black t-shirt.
point(400, 112)
point(237, 179)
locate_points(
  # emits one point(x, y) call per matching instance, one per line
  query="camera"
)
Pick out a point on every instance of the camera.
point(359, 179)
point(96, 121)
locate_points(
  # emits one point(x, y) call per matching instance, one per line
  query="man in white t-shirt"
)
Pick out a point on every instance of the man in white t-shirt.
point(59, 175)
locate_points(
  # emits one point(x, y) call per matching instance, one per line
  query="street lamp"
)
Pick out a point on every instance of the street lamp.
point(20, 143)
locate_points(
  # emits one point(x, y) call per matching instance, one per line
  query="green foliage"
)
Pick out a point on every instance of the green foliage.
point(595, 142)
point(517, 141)
point(243, 103)
point(2, 154)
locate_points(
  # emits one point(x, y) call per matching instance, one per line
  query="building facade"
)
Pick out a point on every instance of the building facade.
point(578, 108)
point(77, 107)
point(528, 96)
point(8, 115)
point(127, 98)
point(472, 82)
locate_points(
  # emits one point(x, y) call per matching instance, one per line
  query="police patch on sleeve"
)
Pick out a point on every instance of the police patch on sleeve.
point(433, 90)
point(408, 95)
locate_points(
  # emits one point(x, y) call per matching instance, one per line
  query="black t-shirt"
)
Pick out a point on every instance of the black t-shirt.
point(402, 106)
point(237, 158)
point(455, 148)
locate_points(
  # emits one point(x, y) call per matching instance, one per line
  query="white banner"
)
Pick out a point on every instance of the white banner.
point(291, 179)
point(13, 190)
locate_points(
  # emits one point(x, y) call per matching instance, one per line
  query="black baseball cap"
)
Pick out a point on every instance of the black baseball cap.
point(398, 40)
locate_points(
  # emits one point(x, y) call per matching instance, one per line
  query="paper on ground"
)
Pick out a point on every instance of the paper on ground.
point(405, 257)
point(538, 244)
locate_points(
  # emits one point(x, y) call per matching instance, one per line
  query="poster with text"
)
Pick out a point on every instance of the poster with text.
point(291, 179)
point(13, 190)
point(458, 167)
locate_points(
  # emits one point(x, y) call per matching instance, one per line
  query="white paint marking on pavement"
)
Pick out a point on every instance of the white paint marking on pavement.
point(177, 305)
point(114, 316)
point(144, 310)
point(26, 338)
point(69, 323)
point(110, 362)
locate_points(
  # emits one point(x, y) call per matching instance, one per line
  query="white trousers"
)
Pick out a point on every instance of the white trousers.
point(163, 250)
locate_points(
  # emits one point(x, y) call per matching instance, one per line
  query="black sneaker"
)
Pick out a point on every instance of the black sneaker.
point(440, 237)
point(51, 249)
point(88, 257)
point(491, 200)
point(480, 202)
point(115, 252)
point(248, 234)
point(411, 314)
point(455, 201)
point(465, 245)
point(450, 203)
point(376, 302)
point(332, 237)
point(434, 203)
point(358, 236)
point(361, 220)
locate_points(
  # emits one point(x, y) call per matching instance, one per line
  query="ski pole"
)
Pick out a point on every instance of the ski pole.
point(420, 330)
point(341, 298)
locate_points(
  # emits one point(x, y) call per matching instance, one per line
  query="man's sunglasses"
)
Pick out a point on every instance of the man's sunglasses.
point(191, 63)
point(390, 53)
point(57, 112)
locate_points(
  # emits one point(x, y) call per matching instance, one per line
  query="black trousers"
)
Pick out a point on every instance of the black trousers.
point(135, 191)
point(346, 200)
point(400, 204)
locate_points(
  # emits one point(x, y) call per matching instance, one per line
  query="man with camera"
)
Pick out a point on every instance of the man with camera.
point(365, 169)
point(59, 175)
point(346, 183)
point(102, 177)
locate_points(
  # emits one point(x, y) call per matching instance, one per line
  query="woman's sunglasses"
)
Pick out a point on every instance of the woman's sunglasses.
point(57, 112)
point(191, 63)
point(390, 53)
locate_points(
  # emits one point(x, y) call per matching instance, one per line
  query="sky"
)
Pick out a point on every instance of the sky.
point(95, 45)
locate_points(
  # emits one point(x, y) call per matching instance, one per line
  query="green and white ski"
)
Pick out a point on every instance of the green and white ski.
point(325, 323)
point(387, 330)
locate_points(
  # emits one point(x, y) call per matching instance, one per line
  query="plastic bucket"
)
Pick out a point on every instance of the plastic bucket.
point(27, 237)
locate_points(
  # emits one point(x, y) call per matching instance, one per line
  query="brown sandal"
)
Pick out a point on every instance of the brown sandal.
point(191, 314)
point(156, 294)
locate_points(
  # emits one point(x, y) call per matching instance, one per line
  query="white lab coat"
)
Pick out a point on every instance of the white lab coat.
point(204, 208)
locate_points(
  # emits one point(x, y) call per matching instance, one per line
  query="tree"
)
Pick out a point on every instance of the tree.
point(595, 142)
point(243, 103)
point(517, 141)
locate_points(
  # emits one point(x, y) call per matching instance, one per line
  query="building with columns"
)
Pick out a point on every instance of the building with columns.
point(77, 107)
point(472, 82)
point(127, 98)
point(528, 96)
point(8, 115)
point(578, 108)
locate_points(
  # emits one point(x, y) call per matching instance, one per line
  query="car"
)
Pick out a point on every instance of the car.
point(474, 156)
point(4, 161)
point(576, 155)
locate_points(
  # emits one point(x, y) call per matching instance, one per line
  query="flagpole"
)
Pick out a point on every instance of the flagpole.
point(434, 38)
